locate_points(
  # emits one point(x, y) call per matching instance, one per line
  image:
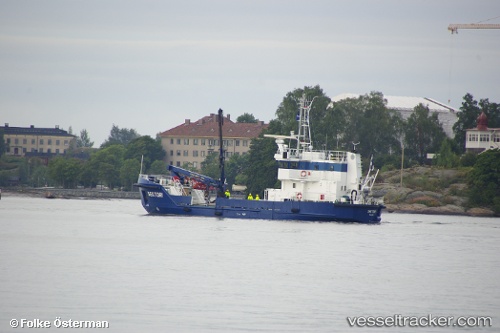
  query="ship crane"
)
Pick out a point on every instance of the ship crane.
point(454, 27)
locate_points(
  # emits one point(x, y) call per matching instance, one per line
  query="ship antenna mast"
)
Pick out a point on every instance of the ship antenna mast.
point(304, 142)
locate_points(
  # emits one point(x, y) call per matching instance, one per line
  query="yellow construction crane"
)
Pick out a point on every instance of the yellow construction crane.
point(454, 27)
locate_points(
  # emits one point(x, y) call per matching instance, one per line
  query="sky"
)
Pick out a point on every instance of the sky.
point(148, 65)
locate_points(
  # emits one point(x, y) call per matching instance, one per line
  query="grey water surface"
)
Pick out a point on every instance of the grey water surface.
point(107, 260)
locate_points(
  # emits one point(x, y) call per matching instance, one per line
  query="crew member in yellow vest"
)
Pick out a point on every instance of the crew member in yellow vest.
point(250, 197)
point(257, 197)
point(228, 195)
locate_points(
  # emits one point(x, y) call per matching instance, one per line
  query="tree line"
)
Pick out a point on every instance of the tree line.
point(115, 164)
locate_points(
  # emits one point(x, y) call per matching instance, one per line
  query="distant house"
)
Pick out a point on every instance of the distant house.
point(191, 142)
point(36, 141)
point(481, 137)
point(405, 105)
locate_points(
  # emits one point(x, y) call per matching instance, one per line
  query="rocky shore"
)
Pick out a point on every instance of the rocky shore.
point(426, 190)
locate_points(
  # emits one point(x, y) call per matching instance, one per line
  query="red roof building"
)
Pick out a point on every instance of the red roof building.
point(191, 142)
point(482, 138)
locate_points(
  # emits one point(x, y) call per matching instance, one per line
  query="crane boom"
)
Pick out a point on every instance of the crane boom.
point(454, 27)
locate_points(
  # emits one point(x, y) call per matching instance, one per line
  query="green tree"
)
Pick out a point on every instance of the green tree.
point(144, 147)
point(423, 133)
point(89, 176)
point(467, 117)
point(120, 136)
point(107, 162)
point(39, 176)
point(2, 143)
point(262, 171)
point(65, 171)
point(468, 159)
point(129, 172)
point(492, 111)
point(365, 120)
point(210, 166)
point(157, 168)
point(56, 170)
point(446, 157)
point(484, 180)
point(84, 140)
point(236, 165)
point(246, 118)
point(286, 114)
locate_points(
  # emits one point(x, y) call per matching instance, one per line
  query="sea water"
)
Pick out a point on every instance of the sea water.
point(108, 262)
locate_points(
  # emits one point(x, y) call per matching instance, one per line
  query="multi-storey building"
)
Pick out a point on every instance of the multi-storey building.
point(191, 142)
point(34, 141)
point(482, 138)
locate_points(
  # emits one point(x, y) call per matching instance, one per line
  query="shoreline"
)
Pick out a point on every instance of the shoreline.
point(58, 193)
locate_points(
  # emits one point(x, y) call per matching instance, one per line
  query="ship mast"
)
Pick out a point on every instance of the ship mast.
point(304, 142)
point(221, 156)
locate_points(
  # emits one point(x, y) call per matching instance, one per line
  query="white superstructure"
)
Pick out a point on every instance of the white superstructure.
point(311, 175)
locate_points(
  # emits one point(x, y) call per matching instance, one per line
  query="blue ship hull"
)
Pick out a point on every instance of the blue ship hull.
point(157, 201)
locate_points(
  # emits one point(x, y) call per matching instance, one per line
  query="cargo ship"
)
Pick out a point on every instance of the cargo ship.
point(316, 185)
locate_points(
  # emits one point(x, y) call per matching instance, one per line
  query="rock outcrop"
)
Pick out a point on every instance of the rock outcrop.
point(426, 190)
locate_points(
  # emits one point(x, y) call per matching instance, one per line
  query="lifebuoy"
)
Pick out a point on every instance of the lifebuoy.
point(299, 196)
point(303, 173)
